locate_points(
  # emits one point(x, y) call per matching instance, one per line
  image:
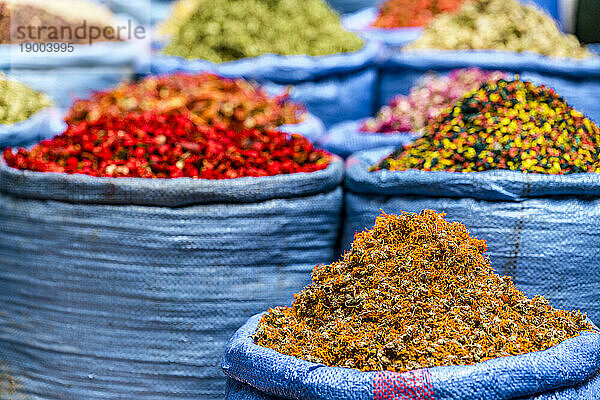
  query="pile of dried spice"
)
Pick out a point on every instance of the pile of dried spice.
point(409, 13)
point(181, 10)
point(205, 98)
point(43, 21)
point(511, 125)
point(415, 291)
point(19, 102)
point(499, 24)
point(149, 145)
point(427, 99)
point(248, 28)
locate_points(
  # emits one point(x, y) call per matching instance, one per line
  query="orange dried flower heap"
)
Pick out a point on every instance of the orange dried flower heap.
point(415, 291)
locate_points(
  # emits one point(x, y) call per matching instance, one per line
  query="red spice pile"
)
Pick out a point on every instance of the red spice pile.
point(411, 13)
point(149, 145)
point(207, 99)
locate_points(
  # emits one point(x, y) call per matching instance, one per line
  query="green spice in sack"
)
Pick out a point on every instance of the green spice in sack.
point(235, 29)
point(499, 24)
point(18, 102)
point(511, 125)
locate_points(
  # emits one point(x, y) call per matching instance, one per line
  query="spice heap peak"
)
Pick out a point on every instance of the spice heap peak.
point(19, 102)
point(205, 98)
point(415, 291)
point(431, 96)
point(237, 29)
point(410, 13)
point(512, 125)
point(499, 24)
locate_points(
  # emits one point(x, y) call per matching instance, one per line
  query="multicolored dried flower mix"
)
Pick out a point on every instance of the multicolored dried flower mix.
point(427, 99)
point(512, 125)
point(415, 291)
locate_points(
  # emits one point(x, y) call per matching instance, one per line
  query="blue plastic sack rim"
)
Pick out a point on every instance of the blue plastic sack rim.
point(487, 185)
point(571, 362)
point(346, 138)
point(79, 188)
point(425, 60)
point(41, 113)
point(277, 68)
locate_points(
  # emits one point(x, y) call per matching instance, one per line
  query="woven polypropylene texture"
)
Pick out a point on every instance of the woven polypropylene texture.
point(350, 6)
point(148, 12)
point(568, 371)
point(65, 76)
point(540, 229)
point(411, 385)
point(346, 138)
point(333, 87)
point(41, 125)
point(106, 301)
point(165, 192)
point(578, 81)
point(361, 21)
point(311, 128)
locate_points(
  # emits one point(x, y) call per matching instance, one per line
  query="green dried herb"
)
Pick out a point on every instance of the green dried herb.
point(416, 291)
point(235, 29)
point(499, 24)
point(19, 102)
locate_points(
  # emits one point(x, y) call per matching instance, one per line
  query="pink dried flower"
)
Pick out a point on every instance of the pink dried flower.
point(427, 99)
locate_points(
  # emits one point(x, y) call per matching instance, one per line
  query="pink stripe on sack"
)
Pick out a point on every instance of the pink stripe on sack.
point(411, 385)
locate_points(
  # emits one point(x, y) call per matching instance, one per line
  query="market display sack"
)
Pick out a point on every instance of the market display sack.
point(148, 12)
point(41, 125)
point(346, 138)
point(549, 6)
point(568, 371)
point(576, 80)
point(131, 287)
point(349, 6)
point(333, 87)
point(311, 128)
point(540, 228)
point(360, 22)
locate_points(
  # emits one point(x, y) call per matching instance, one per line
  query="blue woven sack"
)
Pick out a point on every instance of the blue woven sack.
point(360, 22)
point(148, 12)
point(346, 138)
point(311, 128)
point(43, 124)
point(130, 288)
point(578, 81)
point(334, 87)
point(350, 6)
point(540, 229)
point(569, 371)
point(549, 6)
point(65, 76)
